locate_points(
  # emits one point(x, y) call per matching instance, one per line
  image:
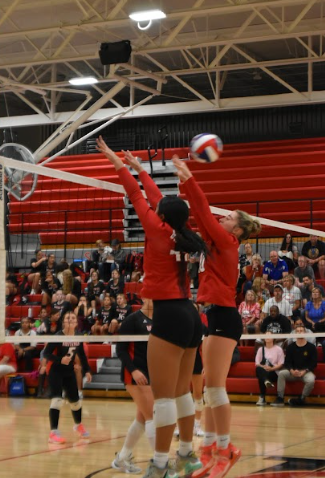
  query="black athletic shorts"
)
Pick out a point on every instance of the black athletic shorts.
point(198, 366)
point(224, 322)
point(177, 321)
point(59, 381)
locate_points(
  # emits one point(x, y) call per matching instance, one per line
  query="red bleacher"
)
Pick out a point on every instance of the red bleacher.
point(279, 170)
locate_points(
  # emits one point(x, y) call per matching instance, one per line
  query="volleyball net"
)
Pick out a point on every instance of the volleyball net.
point(71, 204)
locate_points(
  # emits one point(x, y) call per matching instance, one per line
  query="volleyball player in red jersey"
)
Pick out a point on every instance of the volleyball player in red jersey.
point(177, 329)
point(217, 290)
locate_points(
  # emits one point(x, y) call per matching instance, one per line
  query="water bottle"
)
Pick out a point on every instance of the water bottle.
point(30, 313)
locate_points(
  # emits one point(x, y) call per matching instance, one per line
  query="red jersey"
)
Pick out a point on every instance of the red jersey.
point(219, 270)
point(161, 262)
point(7, 350)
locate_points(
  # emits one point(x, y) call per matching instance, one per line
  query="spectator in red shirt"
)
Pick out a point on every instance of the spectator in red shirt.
point(8, 362)
point(177, 327)
point(217, 287)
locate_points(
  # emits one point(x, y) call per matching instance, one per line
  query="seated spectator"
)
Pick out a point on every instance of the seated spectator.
point(245, 259)
point(250, 311)
point(122, 310)
point(276, 323)
point(104, 317)
point(309, 285)
point(320, 273)
point(42, 316)
point(289, 251)
point(51, 325)
point(25, 352)
point(302, 270)
point(101, 260)
point(8, 362)
point(115, 284)
point(279, 301)
point(50, 285)
point(71, 287)
point(38, 269)
point(50, 264)
point(274, 270)
point(253, 270)
point(269, 360)
point(314, 250)
point(95, 289)
point(118, 255)
point(315, 311)
point(62, 266)
point(11, 286)
point(292, 294)
point(299, 364)
point(299, 323)
point(261, 290)
point(85, 315)
point(133, 263)
point(59, 302)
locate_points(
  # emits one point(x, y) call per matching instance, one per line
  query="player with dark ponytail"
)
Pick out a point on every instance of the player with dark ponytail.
point(177, 328)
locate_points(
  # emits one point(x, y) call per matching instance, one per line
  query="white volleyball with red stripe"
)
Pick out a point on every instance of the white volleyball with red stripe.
point(206, 148)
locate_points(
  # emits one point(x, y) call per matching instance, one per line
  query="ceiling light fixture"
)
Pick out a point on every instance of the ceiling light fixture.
point(146, 16)
point(86, 80)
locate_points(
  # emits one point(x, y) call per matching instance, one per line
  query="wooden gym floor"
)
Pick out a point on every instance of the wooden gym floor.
point(275, 442)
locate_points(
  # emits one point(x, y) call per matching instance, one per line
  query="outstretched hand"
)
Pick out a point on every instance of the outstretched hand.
point(182, 170)
point(109, 153)
point(132, 161)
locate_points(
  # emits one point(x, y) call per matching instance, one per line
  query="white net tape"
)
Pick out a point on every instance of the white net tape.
point(138, 338)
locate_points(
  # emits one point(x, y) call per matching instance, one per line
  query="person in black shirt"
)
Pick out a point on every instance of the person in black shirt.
point(38, 269)
point(50, 326)
point(62, 377)
point(276, 323)
point(95, 288)
point(300, 362)
point(104, 317)
point(122, 310)
point(115, 284)
point(50, 285)
point(59, 302)
point(85, 315)
point(314, 250)
point(50, 265)
point(135, 375)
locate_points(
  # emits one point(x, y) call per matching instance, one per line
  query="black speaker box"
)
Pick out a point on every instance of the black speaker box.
point(118, 52)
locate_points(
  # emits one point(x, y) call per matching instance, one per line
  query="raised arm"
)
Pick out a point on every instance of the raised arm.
point(152, 191)
point(149, 219)
point(201, 210)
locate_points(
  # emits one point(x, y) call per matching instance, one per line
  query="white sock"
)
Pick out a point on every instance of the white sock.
point(160, 459)
point(209, 438)
point(150, 433)
point(197, 423)
point(223, 441)
point(133, 435)
point(185, 448)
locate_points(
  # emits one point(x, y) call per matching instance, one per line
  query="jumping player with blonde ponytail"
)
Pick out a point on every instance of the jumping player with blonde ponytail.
point(217, 290)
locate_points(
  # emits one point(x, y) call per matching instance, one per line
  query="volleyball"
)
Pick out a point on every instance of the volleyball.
point(206, 148)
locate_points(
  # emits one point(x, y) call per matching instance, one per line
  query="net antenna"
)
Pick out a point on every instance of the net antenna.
point(19, 183)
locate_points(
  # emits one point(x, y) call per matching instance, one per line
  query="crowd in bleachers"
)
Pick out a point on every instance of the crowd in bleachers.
point(274, 294)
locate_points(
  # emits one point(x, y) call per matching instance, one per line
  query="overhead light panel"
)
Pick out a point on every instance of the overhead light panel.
point(147, 16)
point(86, 80)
